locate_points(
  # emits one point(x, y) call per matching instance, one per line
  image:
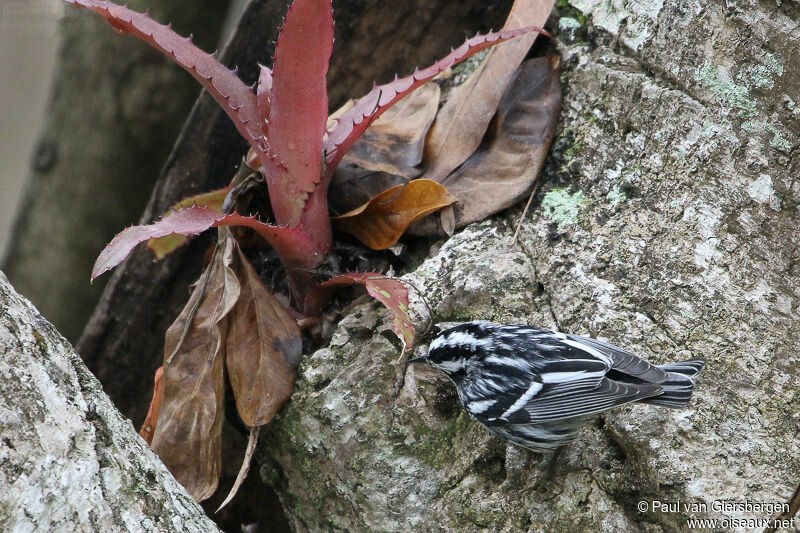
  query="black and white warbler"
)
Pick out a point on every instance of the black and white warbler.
point(536, 387)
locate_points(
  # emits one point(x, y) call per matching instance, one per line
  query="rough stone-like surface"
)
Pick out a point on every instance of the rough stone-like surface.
point(68, 460)
point(667, 224)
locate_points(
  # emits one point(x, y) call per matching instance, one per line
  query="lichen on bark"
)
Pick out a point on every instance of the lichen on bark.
point(675, 253)
point(68, 460)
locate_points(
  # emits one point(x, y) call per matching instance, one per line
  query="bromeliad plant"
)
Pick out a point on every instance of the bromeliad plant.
point(231, 319)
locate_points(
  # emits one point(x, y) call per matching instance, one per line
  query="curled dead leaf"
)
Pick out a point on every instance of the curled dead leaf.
point(461, 123)
point(382, 221)
point(245, 468)
point(394, 143)
point(263, 348)
point(505, 168)
point(387, 154)
point(188, 435)
point(149, 425)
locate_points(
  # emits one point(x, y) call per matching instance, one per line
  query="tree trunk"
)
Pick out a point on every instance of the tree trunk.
point(115, 109)
point(68, 460)
point(667, 224)
point(123, 342)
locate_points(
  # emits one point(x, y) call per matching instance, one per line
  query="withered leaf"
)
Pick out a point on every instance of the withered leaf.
point(505, 168)
point(461, 123)
point(245, 468)
point(263, 349)
point(382, 221)
point(149, 425)
point(394, 143)
point(352, 187)
point(387, 154)
point(188, 434)
point(352, 124)
point(390, 292)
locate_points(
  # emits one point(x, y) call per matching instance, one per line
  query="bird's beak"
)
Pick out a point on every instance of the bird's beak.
point(421, 359)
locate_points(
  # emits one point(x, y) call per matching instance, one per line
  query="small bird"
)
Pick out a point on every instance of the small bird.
point(537, 388)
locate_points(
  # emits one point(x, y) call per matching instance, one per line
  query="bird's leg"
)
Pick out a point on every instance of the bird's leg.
point(545, 468)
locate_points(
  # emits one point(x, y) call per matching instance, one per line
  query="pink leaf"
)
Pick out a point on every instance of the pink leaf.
point(389, 291)
point(222, 83)
point(165, 245)
point(352, 124)
point(299, 107)
point(293, 246)
point(263, 93)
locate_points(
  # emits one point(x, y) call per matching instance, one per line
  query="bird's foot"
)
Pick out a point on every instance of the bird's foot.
point(545, 468)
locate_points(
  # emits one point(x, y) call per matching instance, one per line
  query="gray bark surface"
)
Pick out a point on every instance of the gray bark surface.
point(115, 109)
point(68, 460)
point(666, 224)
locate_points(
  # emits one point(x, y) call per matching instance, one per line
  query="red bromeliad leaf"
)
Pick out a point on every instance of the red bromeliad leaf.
point(162, 246)
point(355, 121)
point(149, 425)
point(298, 107)
point(188, 435)
point(263, 349)
point(389, 291)
point(382, 221)
point(289, 243)
point(228, 90)
point(263, 94)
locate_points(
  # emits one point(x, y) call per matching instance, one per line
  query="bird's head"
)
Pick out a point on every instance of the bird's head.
point(454, 349)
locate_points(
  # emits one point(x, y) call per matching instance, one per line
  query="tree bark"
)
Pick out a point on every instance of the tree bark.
point(123, 341)
point(115, 109)
point(68, 460)
point(667, 225)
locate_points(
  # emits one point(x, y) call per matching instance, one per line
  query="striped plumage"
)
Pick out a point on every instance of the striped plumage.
point(536, 387)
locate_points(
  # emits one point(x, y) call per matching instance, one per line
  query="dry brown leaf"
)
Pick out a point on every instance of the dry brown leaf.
point(504, 170)
point(389, 152)
point(188, 435)
point(353, 187)
point(394, 143)
point(149, 425)
point(461, 123)
point(263, 349)
point(245, 468)
point(382, 221)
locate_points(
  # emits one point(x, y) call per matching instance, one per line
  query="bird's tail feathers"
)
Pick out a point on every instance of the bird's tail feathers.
point(679, 385)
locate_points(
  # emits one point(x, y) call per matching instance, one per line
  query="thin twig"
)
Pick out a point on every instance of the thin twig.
point(522, 217)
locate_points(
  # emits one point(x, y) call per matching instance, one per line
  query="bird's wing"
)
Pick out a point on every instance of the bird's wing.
point(524, 365)
point(623, 361)
point(566, 378)
point(579, 399)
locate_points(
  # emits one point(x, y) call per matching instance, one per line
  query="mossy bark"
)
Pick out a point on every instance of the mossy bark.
point(666, 224)
point(68, 460)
